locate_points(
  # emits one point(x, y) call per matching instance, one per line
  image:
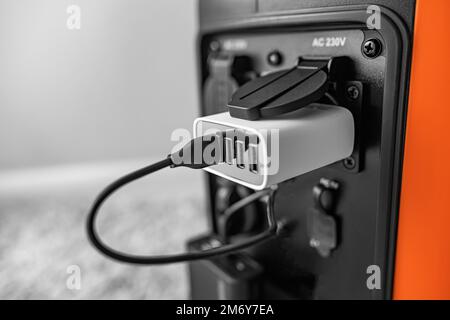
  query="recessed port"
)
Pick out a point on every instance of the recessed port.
point(219, 152)
point(240, 153)
point(229, 150)
point(253, 158)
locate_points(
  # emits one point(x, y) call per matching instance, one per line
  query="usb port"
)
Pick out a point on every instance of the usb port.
point(253, 158)
point(240, 152)
point(219, 152)
point(229, 150)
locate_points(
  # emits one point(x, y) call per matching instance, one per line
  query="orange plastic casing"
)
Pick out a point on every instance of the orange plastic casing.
point(422, 267)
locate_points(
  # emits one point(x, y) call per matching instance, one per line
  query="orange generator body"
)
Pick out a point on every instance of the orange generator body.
point(423, 243)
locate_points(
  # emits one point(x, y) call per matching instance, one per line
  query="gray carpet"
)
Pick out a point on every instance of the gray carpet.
point(42, 234)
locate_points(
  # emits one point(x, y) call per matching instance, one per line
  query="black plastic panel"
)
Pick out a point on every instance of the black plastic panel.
point(368, 198)
point(214, 10)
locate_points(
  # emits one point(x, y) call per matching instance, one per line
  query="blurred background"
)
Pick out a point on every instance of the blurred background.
point(78, 108)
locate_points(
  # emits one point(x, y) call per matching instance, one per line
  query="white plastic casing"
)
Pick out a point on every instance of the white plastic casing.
point(299, 142)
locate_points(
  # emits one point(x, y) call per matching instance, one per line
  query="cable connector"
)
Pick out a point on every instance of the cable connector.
point(196, 155)
point(199, 153)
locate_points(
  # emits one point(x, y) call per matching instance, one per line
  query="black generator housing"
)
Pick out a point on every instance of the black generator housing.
point(240, 40)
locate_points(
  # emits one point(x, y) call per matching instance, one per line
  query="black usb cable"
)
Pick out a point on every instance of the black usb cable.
point(174, 161)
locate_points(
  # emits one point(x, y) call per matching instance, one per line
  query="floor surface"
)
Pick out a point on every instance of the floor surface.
point(42, 234)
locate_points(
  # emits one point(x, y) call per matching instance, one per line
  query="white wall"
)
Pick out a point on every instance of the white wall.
point(113, 90)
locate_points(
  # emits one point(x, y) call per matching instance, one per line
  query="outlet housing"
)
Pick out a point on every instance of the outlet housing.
point(258, 154)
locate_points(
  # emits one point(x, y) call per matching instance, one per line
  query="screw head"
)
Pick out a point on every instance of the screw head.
point(214, 46)
point(240, 266)
point(314, 243)
point(372, 48)
point(353, 92)
point(275, 58)
point(350, 163)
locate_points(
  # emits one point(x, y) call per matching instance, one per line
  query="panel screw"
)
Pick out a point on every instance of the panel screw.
point(314, 243)
point(353, 92)
point(372, 48)
point(275, 58)
point(240, 266)
point(214, 46)
point(350, 163)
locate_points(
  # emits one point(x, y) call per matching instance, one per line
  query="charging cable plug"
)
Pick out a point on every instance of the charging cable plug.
point(193, 155)
point(199, 153)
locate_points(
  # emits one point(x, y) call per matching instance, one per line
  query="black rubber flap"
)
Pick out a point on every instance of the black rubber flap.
point(281, 92)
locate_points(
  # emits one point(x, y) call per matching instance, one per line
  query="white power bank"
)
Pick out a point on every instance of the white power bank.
point(267, 152)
